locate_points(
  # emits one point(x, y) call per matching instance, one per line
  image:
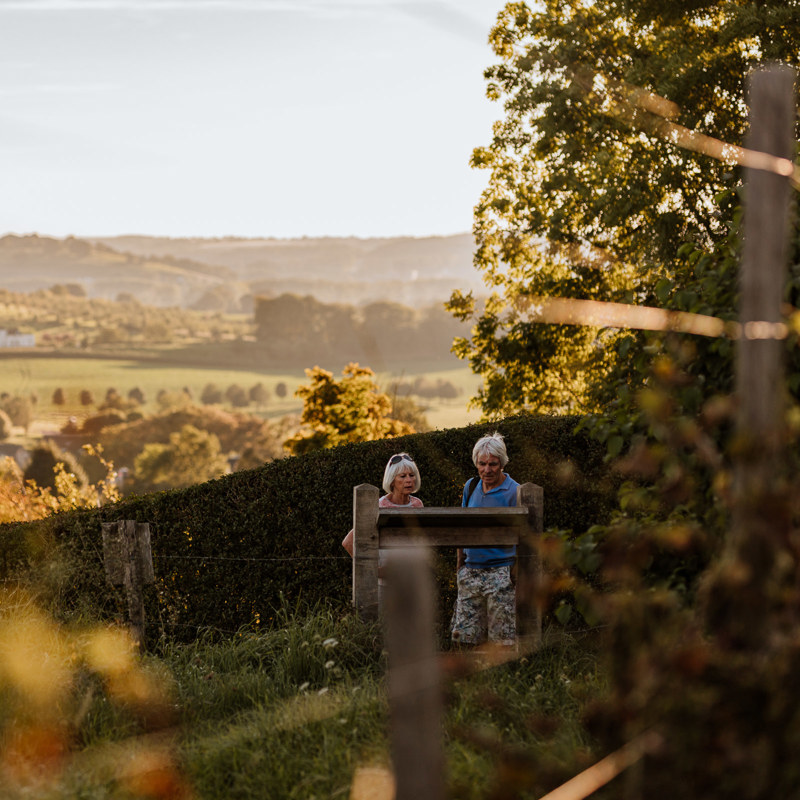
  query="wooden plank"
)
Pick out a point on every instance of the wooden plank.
point(414, 681)
point(443, 517)
point(365, 550)
point(449, 537)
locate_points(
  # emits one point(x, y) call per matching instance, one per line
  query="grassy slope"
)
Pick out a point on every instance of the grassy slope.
point(294, 712)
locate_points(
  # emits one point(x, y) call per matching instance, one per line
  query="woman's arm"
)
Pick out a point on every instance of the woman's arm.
point(347, 543)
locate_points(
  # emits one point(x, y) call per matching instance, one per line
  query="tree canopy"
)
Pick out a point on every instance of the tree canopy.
point(597, 174)
point(352, 409)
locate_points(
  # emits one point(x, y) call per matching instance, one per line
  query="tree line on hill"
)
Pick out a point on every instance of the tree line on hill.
point(61, 316)
point(292, 329)
point(287, 330)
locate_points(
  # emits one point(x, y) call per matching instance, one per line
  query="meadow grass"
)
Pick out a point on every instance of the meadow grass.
point(294, 711)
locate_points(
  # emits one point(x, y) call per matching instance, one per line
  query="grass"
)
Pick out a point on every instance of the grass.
point(295, 711)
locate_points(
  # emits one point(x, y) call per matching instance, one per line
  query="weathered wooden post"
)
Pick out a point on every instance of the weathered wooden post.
point(742, 594)
point(529, 568)
point(414, 681)
point(128, 562)
point(365, 550)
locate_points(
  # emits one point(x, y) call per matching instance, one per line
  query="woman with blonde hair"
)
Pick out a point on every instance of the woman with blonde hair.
point(400, 480)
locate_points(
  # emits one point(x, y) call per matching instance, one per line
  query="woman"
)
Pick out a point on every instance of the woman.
point(400, 479)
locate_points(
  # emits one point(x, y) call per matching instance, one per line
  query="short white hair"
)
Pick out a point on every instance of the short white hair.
point(492, 445)
point(401, 461)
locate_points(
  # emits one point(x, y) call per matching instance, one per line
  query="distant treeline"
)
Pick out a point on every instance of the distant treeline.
point(63, 317)
point(302, 329)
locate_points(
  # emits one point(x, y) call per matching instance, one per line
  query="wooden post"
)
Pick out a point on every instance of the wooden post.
point(760, 375)
point(365, 551)
point(128, 562)
point(740, 605)
point(415, 695)
point(529, 569)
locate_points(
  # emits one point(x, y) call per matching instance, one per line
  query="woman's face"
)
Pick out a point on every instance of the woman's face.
point(405, 481)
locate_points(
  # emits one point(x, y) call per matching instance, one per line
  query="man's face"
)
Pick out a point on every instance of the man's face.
point(490, 470)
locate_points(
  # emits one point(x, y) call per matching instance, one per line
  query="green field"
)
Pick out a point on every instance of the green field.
point(41, 376)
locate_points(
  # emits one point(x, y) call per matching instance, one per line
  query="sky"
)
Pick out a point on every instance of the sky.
point(255, 118)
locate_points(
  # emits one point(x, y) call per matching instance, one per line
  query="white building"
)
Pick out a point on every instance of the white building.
point(16, 339)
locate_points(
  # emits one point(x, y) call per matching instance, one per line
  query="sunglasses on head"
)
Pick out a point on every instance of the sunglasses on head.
point(397, 459)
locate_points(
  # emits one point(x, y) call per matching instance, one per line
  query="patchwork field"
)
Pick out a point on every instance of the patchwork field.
point(42, 376)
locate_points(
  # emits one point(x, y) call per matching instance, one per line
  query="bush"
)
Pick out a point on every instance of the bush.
point(19, 410)
point(5, 425)
point(227, 551)
point(211, 394)
point(43, 461)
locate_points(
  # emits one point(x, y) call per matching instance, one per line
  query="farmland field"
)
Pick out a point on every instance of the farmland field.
point(23, 376)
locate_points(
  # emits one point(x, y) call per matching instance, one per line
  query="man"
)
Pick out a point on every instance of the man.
point(486, 604)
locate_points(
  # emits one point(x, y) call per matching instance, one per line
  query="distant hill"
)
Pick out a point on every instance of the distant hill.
point(226, 274)
point(30, 263)
point(407, 270)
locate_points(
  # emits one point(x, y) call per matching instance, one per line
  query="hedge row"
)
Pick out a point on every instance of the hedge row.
point(226, 551)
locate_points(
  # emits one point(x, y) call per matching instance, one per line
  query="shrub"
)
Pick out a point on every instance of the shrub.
point(43, 462)
point(227, 551)
point(211, 394)
point(5, 425)
point(19, 410)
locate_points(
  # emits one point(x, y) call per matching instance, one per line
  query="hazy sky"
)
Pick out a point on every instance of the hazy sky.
point(242, 117)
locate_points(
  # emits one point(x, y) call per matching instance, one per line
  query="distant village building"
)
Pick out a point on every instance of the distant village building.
point(16, 339)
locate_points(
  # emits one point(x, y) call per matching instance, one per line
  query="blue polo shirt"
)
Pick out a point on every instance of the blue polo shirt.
point(503, 495)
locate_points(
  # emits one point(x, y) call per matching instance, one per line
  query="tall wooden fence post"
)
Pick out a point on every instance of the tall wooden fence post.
point(414, 682)
point(128, 562)
point(529, 569)
point(760, 522)
point(365, 550)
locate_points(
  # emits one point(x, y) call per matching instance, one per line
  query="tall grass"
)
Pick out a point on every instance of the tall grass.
point(295, 711)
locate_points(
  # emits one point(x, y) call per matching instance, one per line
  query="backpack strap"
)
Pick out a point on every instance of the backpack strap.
point(471, 486)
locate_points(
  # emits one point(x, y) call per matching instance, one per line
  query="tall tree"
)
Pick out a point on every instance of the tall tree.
point(596, 176)
point(352, 409)
point(192, 456)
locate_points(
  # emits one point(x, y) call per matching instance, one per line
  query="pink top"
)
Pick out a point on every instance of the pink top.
point(385, 502)
point(413, 502)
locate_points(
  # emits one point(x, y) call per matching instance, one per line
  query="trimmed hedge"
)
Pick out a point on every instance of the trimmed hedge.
point(226, 551)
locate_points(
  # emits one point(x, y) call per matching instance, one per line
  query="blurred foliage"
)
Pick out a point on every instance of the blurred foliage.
point(64, 488)
point(57, 685)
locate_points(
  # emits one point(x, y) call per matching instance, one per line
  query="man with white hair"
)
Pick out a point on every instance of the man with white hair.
point(486, 604)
